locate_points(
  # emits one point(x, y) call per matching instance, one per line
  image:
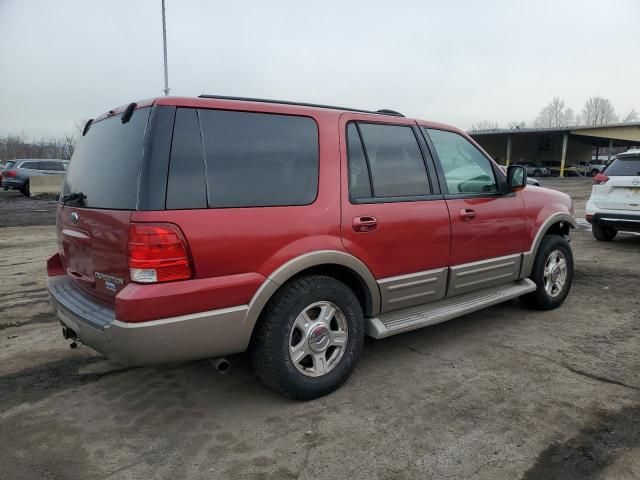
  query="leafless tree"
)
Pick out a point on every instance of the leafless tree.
point(16, 146)
point(513, 125)
point(597, 111)
point(632, 116)
point(484, 125)
point(555, 114)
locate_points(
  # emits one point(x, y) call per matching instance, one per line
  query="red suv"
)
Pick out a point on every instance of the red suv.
point(199, 227)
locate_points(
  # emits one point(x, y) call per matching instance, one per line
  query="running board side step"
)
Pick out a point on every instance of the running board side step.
point(411, 318)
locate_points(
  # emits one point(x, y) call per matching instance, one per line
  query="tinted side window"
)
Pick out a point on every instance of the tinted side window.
point(55, 166)
point(258, 159)
point(397, 167)
point(624, 167)
point(186, 187)
point(359, 182)
point(466, 169)
point(30, 165)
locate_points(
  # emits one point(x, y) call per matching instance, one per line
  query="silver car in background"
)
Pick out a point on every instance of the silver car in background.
point(16, 173)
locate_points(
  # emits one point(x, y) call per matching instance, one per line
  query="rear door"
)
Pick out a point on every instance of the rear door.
point(394, 218)
point(487, 228)
point(622, 190)
point(101, 188)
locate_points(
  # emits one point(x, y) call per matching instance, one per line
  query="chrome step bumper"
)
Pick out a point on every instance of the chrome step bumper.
point(407, 319)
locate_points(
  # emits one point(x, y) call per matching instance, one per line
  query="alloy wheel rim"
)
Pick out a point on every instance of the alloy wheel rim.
point(555, 273)
point(318, 339)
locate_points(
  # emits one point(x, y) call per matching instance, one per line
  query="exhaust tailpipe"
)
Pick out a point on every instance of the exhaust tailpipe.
point(221, 364)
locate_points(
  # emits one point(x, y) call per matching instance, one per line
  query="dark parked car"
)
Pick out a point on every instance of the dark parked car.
point(199, 227)
point(16, 173)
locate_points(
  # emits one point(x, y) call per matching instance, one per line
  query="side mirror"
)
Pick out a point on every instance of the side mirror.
point(516, 178)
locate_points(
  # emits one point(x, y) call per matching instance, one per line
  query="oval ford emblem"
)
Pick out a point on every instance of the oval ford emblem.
point(74, 217)
point(636, 181)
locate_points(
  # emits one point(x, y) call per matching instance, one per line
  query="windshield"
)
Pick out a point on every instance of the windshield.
point(105, 165)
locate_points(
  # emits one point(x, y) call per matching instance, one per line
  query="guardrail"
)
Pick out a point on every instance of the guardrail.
point(45, 184)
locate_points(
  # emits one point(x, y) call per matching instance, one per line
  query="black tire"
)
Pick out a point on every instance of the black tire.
point(603, 233)
point(541, 299)
point(269, 348)
point(25, 190)
point(537, 173)
point(594, 172)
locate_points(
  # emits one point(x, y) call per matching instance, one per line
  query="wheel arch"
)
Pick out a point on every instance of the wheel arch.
point(340, 265)
point(556, 224)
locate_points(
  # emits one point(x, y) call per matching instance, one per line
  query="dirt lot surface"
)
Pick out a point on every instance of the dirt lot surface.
point(500, 394)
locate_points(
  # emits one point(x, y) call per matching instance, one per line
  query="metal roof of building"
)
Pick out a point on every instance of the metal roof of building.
point(500, 131)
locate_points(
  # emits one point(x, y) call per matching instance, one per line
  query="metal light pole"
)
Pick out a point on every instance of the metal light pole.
point(164, 43)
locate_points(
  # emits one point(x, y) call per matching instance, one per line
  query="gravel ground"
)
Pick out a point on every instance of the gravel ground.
point(500, 394)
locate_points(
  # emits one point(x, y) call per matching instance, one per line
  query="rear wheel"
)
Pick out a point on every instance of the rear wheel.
point(309, 337)
point(603, 233)
point(537, 173)
point(26, 191)
point(594, 172)
point(552, 272)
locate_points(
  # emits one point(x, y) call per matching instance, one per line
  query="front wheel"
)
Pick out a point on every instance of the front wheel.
point(309, 337)
point(552, 272)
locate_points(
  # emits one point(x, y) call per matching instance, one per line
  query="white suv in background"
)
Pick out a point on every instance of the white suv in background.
point(615, 198)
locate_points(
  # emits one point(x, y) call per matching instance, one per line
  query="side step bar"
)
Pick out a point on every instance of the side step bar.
point(400, 321)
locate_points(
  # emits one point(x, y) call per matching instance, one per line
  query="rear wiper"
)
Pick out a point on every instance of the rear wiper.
point(73, 197)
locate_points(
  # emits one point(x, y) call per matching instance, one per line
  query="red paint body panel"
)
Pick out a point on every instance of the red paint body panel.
point(540, 203)
point(410, 236)
point(96, 243)
point(139, 303)
point(497, 230)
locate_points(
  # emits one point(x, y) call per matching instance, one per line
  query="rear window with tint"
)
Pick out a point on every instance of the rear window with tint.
point(106, 163)
point(9, 165)
point(250, 160)
point(624, 167)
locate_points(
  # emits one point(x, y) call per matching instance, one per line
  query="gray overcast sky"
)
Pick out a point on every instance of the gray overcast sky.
point(456, 62)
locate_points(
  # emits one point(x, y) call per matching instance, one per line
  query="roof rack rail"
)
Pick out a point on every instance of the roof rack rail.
point(386, 111)
point(302, 104)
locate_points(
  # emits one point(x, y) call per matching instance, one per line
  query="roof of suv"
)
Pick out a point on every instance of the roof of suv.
point(219, 101)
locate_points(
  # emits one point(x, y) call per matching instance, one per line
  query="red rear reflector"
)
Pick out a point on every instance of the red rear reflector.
point(157, 253)
point(600, 178)
point(589, 218)
point(10, 173)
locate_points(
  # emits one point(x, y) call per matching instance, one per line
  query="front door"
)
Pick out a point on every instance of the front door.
point(487, 228)
point(394, 217)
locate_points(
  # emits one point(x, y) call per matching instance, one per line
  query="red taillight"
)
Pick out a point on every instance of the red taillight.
point(600, 178)
point(157, 253)
point(9, 173)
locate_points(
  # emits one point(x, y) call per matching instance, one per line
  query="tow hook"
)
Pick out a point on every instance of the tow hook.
point(221, 364)
point(73, 345)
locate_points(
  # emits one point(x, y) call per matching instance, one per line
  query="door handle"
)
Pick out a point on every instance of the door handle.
point(365, 224)
point(467, 214)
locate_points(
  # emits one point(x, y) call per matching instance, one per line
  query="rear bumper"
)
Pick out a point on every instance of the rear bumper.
point(14, 184)
point(617, 220)
point(188, 337)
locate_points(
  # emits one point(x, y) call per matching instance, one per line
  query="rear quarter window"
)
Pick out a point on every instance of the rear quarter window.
point(248, 159)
